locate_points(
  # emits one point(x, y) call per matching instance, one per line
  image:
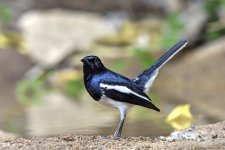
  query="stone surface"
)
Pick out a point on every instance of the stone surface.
point(189, 134)
point(54, 34)
point(132, 7)
point(193, 27)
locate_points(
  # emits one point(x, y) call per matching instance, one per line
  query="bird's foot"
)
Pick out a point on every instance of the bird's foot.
point(117, 137)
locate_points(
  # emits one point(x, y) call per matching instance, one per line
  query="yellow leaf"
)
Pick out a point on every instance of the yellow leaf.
point(125, 35)
point(128, 31)
point(180, 117)
point(3, 41)
point(62, 77)
point(13, 39)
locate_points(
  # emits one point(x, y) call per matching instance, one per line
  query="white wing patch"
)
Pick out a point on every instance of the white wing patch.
point(122, 89)
point(149, 83)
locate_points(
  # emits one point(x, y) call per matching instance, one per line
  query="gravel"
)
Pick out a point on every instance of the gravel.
point(214, 138)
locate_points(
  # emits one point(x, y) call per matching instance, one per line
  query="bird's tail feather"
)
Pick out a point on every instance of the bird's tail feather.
point(146, 78)
point(152, 106)
point(169, 54)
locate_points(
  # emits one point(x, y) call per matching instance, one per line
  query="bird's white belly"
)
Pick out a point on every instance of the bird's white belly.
point(113, 103)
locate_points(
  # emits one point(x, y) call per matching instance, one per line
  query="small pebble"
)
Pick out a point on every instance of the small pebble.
point(214, 136)
point(162, 138)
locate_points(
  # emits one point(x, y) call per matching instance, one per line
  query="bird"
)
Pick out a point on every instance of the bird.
point(112, 89)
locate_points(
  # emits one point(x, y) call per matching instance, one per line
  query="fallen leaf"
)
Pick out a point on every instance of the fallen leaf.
point(180, 117)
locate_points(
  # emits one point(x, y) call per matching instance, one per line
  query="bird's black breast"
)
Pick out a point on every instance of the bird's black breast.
point(92, 85)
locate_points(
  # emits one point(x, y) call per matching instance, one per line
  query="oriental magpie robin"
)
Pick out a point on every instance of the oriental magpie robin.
point(113, 89)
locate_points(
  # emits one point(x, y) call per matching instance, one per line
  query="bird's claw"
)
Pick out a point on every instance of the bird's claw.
point(117, 137)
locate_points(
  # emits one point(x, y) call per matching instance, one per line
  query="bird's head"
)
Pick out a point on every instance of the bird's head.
point(92, 64)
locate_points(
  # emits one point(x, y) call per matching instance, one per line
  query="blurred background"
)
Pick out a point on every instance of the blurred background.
point(42, 42)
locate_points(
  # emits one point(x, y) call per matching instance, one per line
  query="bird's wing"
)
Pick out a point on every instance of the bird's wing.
point(127, 93)
point(145, 79)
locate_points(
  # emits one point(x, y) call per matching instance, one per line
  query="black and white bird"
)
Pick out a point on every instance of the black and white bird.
point(113, 89)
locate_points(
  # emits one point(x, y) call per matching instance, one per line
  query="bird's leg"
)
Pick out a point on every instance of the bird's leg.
point(118, 131)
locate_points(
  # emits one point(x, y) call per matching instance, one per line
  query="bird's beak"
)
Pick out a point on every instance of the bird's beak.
point(83, 60)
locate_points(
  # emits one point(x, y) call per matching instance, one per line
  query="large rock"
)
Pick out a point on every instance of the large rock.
point(52, 35)
point(193, 28)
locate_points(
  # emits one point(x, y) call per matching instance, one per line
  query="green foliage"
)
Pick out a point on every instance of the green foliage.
point(144, 56)
point(215, 28)
point(142, 115)
point(10, 123)
point(216, 34)
point(119, 65)
point(31, 91)
point(28, 92)
point(174, 26)
point(5, 14)
point(154, 98)
point(74, 87)
point(222, 5)
point(211, 7)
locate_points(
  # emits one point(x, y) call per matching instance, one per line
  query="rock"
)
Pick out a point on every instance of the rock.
point(193, 27)
point(132, 7)
point(180, 22)
point(196, 78)
point(52, 35)
point(163, 138)
point(188, 134)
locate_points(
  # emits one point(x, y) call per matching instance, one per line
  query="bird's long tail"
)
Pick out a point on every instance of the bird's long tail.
point(146, 78)
point(169, 54)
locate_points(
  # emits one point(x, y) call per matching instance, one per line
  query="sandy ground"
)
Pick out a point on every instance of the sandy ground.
point(202, 137)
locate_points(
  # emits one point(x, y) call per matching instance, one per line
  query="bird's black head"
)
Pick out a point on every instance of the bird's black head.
point(92, 64)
